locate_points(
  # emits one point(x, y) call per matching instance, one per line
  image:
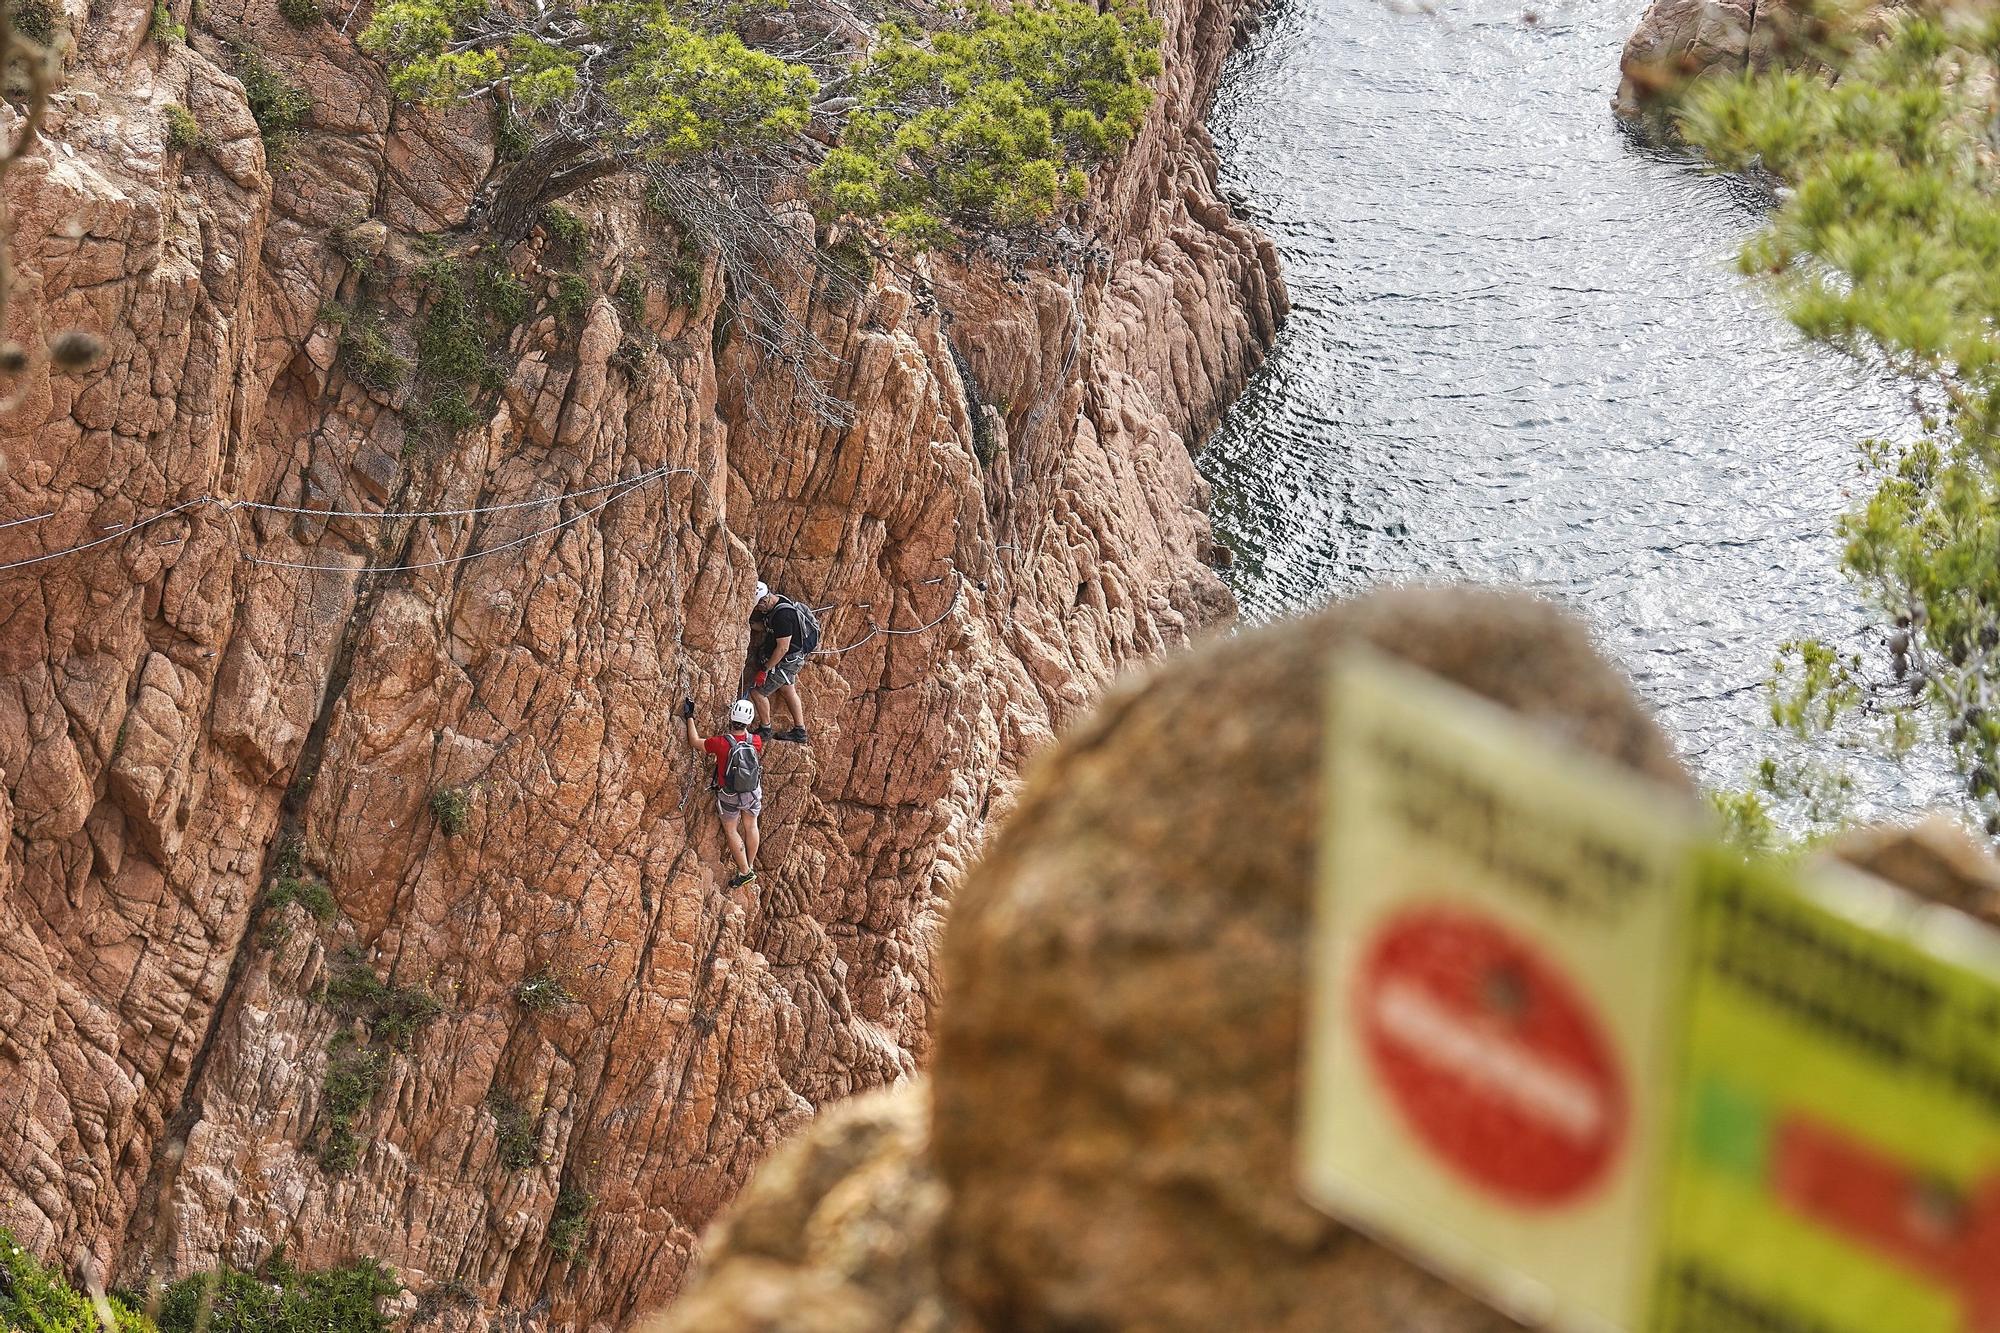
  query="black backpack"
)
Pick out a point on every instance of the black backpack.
point(742, 771)
point(808, 626)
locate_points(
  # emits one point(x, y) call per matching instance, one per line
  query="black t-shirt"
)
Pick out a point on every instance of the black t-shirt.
point(783, 623)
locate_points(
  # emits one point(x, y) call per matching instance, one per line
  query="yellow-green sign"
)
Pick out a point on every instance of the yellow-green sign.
point(1583, 1062)
point(1836, 1163)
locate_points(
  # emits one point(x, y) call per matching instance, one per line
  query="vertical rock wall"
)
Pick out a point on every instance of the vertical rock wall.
point(187, 714)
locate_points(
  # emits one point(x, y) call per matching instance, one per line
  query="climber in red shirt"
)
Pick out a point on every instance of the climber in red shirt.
point(739, 781)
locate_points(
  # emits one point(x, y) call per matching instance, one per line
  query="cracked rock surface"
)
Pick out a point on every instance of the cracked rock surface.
point(526, 1049)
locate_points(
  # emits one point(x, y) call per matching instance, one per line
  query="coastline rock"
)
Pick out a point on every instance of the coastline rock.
point(1112, 1097)
point(576, 1043)
point(1112, 1104)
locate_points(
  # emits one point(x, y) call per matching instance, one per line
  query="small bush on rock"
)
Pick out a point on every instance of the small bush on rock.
point(453, 809)
point(365, 351)
point(300, 13)
point(167, 30)
point(39, 1300)
point(278, 108)
point(572, 295)
point(33, 19)
point(569, 1225)
point(183, 130)
point(543, 992)
point(279, 1299)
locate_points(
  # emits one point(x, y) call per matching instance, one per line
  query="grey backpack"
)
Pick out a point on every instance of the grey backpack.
point(742, 771)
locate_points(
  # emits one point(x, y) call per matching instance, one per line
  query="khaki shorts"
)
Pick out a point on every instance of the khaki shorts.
point(781, 675)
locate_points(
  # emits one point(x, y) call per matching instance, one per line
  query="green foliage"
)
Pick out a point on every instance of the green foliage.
point(512, 136)
point(569, 1225)
point(366, 353)
point(278, 108)
point(354, 1074)
point(663, 88)
point(452, 808)
point(572, 295)
point(33, 19)
point(167, 30)
point(680, 279)
point(992, 125)
point(315, 897)
point(34, 1299)
point(394, 1014)
point(300, 13)
point(567, 232)
point(183, 130)
point(469, 312)
point(515, 1130)
point(1747, 822)
point(1887, 246)
point(543, 992)
point(279, 1299)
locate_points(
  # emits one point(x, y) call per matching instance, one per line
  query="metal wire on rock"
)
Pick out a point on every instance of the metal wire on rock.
point(611, 490)
point(626, 488)
point(874, 629)
point(123, 532)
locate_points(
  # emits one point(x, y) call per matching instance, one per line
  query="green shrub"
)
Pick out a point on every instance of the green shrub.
point(183, 130)
point(569, 1225)
point(279, 1299)
point(278, 108)
point(505, 298)
point(33, 19)
point(366, 353)
point(310, 894)
point(167, 30)
point(572, 295)
point(631, 293)
point(395, 1014)
point(35, 1299)
point(515, 1130)
point(567, 232)
point(542, 992)
point(992, 125)
point(300, 13)
point(354, 1074)
point(512, 136)
point(451, 807)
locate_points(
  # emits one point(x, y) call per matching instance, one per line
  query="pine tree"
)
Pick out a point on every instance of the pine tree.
point(1886, 245)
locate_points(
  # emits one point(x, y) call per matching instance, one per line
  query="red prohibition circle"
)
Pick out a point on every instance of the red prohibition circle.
point(1493, 1058)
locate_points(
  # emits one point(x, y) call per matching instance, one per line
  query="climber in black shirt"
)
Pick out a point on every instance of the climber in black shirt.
point(791, 631)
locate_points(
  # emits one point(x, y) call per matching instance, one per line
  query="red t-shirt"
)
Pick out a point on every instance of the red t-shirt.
point(719, 747)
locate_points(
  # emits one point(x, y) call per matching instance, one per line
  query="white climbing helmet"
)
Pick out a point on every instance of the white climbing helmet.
point(763, 591)
point(742, 711)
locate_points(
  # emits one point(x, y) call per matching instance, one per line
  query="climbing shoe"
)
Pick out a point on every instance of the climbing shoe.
point(797, 734)
point(765, 732)
point(741, 877)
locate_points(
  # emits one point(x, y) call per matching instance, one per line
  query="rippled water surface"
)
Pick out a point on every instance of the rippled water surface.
point(1520, 352)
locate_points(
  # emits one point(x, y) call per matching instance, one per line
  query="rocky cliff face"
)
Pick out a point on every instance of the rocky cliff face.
point(524, 1045)
point(1107, 1137)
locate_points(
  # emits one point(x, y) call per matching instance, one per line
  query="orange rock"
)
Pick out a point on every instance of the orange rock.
point(165, 1049)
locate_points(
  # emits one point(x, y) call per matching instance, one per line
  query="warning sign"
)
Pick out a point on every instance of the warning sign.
point(1836, 1160)
point(1494, 976)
